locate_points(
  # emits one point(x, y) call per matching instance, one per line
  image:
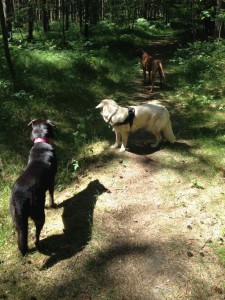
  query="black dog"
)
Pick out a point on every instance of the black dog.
point(28, 192)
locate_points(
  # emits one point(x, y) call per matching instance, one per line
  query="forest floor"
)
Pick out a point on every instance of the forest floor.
point(152, 228)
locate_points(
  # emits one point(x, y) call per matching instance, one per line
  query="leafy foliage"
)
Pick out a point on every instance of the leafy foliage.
point(201, 66)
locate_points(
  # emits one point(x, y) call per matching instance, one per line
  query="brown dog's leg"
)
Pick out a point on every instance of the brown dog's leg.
point(161, 74)
point(144, 75)
point(161, 83)
point(149, 77)
point(152, 80)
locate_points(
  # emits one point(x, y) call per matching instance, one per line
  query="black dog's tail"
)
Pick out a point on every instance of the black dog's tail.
point(20, 221)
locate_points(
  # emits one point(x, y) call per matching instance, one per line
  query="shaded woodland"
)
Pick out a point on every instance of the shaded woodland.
point(199, 19)
point(144, 224)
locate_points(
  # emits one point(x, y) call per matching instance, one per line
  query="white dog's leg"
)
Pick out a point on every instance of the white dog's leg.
point(158, 139)
point(122, 148)
point(114, 146)
point(124, 142)
point(118, 140)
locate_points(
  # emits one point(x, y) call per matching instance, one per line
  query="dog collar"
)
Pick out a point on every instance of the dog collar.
point(40, 140)
point(110, 118)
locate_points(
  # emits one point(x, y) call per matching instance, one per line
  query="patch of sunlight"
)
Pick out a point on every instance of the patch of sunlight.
point(59, 60)
point(95, 148)
point(221, 138)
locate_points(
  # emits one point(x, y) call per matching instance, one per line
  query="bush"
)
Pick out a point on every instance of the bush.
point(202, 62)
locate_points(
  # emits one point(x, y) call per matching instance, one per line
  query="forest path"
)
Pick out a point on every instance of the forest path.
point(152, 227)
point(133, 227)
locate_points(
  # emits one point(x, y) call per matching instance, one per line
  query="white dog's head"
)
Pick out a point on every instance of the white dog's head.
point(106, 102)
point(112, 113)
point(108, 107)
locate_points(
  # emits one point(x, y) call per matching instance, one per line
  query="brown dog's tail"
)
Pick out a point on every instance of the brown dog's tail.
point(161, 71)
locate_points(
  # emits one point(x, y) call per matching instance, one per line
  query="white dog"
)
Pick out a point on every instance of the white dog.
point(152, 117)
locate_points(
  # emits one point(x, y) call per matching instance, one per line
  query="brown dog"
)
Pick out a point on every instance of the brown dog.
point(152, 66)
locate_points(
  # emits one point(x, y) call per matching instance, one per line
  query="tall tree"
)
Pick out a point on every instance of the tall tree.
point(6, 45)
point(30, 21)
point(63, 22)
point(8, 17)
point(86, 18)
point(45, 16)
point(219, 19)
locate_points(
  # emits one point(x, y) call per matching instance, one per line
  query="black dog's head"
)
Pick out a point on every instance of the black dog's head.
point(41, 129)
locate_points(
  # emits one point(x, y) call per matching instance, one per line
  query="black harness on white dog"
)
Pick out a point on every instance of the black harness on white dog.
point(129, 119)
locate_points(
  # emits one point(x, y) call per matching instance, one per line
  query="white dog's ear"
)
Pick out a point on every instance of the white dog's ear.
point(100, 105)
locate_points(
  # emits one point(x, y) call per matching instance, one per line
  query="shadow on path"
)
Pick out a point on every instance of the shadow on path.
point(78, 221)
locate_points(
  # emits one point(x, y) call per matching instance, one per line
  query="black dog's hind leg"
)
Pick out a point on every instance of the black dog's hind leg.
point(22, 232)
point(39, 223)
point(51, 194)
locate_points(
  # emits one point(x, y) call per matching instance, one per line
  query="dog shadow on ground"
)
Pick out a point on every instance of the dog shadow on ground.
point(142, 145)
point(145, 149)
point(78, 221)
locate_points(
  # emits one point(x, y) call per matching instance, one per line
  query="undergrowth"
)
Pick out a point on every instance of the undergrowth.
point(201, 69)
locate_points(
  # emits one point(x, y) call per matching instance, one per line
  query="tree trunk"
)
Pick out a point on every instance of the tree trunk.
point(218, 23)
point(8, 18)
point(80, 12)
point(6, 45)
point(45, 17)
point(86, 19)
point(30, 37)
point(66, 10)
point(63, 22)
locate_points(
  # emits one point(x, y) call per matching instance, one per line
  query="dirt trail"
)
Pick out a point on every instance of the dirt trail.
point(156, 226)
point(152, 228)
point(134, 227)
point(159, 225)
point(151, 232)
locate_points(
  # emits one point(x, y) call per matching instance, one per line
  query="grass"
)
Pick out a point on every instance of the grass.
point(65, 85)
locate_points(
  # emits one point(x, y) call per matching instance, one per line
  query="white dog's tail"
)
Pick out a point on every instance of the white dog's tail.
point(168, 132)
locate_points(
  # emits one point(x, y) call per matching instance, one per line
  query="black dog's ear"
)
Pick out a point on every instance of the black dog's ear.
point(31, 122)
point(50, 123)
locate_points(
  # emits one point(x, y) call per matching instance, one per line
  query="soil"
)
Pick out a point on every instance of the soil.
point(152, 228)
point(152, 233)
